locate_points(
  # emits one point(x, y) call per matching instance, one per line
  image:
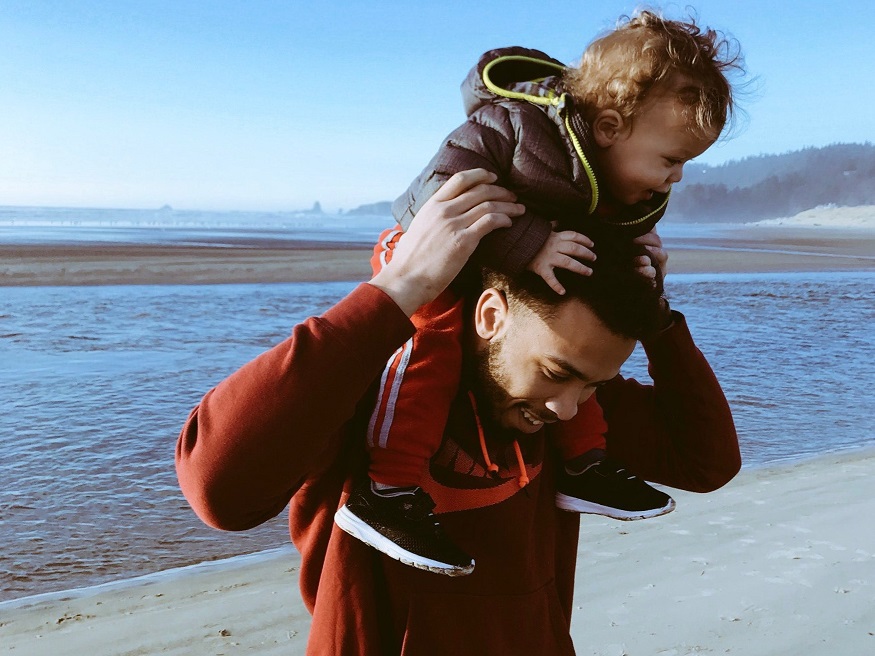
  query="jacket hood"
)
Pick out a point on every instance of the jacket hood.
point(515, 73)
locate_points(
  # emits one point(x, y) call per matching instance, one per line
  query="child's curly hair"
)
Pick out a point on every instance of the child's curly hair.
point(647, 53)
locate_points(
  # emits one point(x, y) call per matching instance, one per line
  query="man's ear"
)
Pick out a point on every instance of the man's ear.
point(608, 127)
point(491, 314)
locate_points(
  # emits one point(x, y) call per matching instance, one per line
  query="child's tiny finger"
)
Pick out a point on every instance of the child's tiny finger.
point(576, 237)
point(554, 284)
point(576, 266)
point(579, 251)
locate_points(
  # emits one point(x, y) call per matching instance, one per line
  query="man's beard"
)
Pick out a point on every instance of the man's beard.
point(490, 381)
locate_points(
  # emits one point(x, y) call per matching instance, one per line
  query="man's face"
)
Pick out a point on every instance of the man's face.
point(534, 371)
point(648, 156)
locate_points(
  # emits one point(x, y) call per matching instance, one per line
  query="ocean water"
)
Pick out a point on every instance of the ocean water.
point(95, 383)
point(22, 226)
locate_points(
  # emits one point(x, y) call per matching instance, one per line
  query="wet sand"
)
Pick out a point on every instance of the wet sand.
point(741, 249)
point(157, 265)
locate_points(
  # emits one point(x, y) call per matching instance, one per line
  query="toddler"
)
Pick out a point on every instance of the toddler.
point(592, 152)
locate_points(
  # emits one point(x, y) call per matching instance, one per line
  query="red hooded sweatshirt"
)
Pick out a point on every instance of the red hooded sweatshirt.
point(287, 428)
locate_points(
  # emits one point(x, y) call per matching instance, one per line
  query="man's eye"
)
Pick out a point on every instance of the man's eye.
point(557, 377)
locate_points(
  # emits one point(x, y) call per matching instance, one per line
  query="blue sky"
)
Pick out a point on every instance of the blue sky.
point(269, 105)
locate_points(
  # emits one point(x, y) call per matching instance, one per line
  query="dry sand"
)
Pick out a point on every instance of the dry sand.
point(779, 562)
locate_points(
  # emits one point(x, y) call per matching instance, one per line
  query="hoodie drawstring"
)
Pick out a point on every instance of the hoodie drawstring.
point(491, 467)
point(523, 480)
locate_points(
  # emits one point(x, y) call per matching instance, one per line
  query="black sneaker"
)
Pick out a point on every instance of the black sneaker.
point(399, 522)
point(605, 488)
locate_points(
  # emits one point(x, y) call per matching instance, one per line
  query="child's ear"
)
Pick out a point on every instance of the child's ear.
point(490, 314)
point(608, 127)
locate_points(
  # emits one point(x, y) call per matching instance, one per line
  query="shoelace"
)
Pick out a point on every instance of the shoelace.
point(491, 467)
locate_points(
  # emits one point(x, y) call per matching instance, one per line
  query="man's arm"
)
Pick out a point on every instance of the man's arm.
point(679, 431)
point(256, 437)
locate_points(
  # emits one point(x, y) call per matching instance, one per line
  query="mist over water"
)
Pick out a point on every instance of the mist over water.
point(23, 226)
point(95, 383)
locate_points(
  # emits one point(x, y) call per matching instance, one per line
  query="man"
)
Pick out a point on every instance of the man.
point(289, 426)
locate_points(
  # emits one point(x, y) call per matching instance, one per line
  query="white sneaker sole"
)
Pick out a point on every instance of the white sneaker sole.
point(573, 504)
point(350, 523)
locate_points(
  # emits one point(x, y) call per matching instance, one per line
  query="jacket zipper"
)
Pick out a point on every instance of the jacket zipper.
point(593, 183)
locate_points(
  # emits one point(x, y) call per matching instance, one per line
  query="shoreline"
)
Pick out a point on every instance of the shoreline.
point(288, 551)
point(727, 249)
point(775, 562)
point(170, 575)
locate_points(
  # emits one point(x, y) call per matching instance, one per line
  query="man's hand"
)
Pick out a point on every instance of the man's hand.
point(655, 264)
point(442, 237)
point(562, 250)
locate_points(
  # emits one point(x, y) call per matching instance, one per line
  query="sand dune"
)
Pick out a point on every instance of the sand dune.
point(862, 217)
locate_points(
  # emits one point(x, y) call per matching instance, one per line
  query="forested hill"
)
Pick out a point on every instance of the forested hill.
point(771, 186)
point(761, 187)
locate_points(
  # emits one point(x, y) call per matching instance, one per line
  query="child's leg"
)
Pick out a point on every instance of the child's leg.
point(417, 387)
point(591, 482)
point(583, 433)
point(391, 512)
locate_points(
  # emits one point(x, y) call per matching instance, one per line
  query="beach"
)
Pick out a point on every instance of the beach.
point(780, 561)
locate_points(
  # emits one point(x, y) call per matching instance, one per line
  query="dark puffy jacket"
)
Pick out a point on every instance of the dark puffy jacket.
point(524, 127)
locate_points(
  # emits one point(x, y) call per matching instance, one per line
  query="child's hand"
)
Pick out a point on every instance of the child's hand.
point(562, 250)
point(654, 265)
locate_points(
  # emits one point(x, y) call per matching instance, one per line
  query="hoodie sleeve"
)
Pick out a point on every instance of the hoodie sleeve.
point(490, 140)
point(681, 431)
point(255, 438)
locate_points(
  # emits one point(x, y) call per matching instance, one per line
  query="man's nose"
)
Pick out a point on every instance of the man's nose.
point(565, 405)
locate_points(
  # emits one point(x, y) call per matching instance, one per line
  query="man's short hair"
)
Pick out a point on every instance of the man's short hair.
point(626, 302)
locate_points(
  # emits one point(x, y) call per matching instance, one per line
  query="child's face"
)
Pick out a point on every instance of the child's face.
point(648, 155)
